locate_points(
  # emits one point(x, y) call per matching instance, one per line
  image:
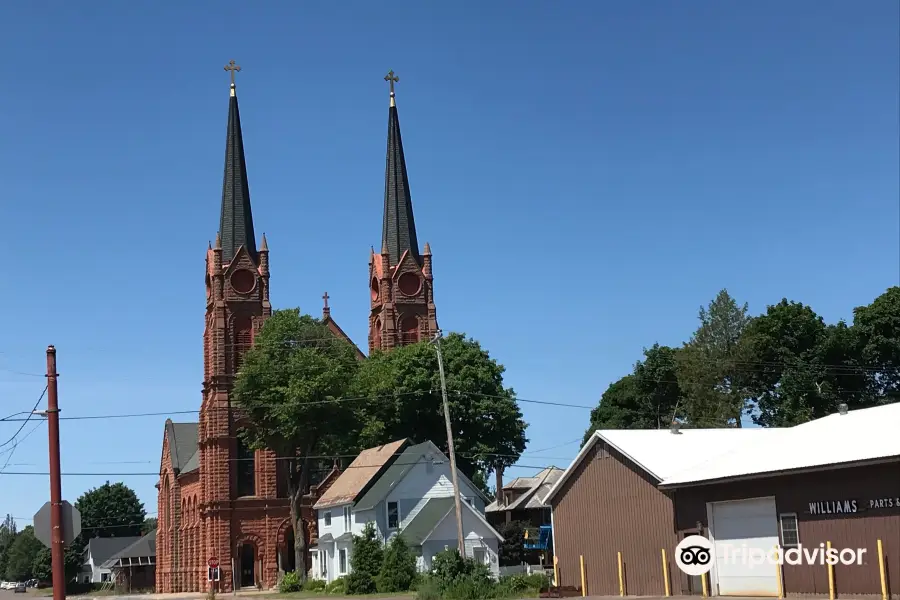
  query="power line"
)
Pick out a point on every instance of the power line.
point(25, 421)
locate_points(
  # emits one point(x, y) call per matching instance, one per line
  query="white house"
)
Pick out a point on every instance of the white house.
point(99, 551)
point(400, 488)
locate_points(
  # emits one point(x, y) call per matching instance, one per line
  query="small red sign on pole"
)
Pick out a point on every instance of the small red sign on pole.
point(213, 563)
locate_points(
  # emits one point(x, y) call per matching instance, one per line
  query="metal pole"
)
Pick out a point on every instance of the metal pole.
point(57, 547)
point(459, 526)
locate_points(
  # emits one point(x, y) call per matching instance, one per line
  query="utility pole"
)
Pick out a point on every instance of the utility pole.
point(56, 533)
point(459, 525)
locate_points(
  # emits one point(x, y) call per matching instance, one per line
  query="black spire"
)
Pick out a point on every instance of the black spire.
point(399, 231)
point(236, 222)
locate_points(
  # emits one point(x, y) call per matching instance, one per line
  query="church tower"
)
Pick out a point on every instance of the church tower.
point(400, 277)
point(237, 303)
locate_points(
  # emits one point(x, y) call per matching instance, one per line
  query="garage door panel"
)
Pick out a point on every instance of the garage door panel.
point(751, 525)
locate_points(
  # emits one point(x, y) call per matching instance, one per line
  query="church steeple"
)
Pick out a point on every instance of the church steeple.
point(401, 280)
point(399, 230)
point(236, 221)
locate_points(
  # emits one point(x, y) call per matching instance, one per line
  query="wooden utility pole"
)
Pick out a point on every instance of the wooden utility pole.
point(459, 524)
point(56, 525)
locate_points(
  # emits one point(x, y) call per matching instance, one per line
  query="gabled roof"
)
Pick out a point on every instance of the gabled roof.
point(398, 469)
point(661, 453)
point(537, 487)
point(183, 441)
point(338, 332)
point(862, 435)
point(142, 547)
point(359, 475)
point(102, 549)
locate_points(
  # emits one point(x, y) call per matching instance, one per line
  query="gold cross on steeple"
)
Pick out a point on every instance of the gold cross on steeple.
point(392, 79)
point(233, 68)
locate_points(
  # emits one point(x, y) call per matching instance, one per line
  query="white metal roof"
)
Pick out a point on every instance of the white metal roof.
point(662, 453)
point(860, 435)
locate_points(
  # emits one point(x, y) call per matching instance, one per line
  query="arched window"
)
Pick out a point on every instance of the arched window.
point(376, 337)
point(243, 339)
point(246, 470)
point(409, 330)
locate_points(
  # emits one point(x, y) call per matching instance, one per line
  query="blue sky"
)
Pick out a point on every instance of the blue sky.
point(587, 173)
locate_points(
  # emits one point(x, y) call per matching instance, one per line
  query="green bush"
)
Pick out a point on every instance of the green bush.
point(398, 569)
point(337, 587)
point(314, 585)
point(446, 567)
point(521, 584)
point(289, 583)
point(365, 562)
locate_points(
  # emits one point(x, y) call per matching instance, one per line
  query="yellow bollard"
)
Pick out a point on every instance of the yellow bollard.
point(884, 594)
point(583, 582)
point(778, 574)
point(621, 576)
point(666, 573)
point(830, 574)
point(705, 586)
point(556, 571)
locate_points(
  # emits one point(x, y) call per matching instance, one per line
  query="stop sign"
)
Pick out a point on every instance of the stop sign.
point(213, 563)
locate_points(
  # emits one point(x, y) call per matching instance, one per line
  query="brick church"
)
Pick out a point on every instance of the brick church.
point(217, 498)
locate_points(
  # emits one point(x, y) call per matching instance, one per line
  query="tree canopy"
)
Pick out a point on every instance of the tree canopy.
point(405, 390)
point(21, 555)
point(290, 392)
point(783, 367)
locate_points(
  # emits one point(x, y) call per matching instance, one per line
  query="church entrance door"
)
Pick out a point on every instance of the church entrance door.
point(248, 565)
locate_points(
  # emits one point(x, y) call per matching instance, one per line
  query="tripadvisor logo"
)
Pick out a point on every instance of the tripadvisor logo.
point(696, 555)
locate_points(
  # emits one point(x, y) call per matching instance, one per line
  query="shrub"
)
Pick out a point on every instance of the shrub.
point(338, 586)
point(447, 566)
point(365, 562)
point(398, 569)
point(289, 583)
point(470, 587)
point(314, 585)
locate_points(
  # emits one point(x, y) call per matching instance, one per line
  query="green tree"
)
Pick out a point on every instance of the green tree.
point(648, 398)
point(149, 525)
point(8, 533)
point(365, 562)
point(799, 368)
point(42, 565)
point(712, 373)
point(488, 429)
point(288, 387)
point(111, 510)
point(877, 330)
point(21, 555)
point(398, 568)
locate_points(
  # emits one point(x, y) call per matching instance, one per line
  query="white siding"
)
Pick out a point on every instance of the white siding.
point(425, 481)
point(477, 535)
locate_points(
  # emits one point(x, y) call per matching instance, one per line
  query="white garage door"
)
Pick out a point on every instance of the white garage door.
point(745, 524)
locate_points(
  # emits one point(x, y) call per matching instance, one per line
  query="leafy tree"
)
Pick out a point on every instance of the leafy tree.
point(149, 525)
point(398, 568)
point(512, 550)
point(111, 510)
point(488, 429)
point(365, 562)
point(645, 399)
point(877, 327)
point(8, 533)
point(21, 555)
point(800, 368)
point(287, 387)
point(480, 479)
point(712, 372)
point(42, 565)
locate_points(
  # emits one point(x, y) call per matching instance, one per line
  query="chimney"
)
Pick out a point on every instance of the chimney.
point(498, 473)
point(842, 408)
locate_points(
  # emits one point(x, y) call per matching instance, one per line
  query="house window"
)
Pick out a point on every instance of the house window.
point(479, 555)
point(393, 515)
point(790, 532)
point(323, 564)
point(346, 518)
point(342, 561)
point(246, 470)
point(104, 577)
point(328, 519)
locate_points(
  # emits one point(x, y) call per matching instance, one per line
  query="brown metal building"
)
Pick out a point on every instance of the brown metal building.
point(638, 492)
point(609, 502)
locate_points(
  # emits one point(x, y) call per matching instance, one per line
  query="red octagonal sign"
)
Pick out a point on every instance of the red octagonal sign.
point(213, 563)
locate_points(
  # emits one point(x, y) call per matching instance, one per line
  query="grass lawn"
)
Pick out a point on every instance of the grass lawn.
point(322, 594)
